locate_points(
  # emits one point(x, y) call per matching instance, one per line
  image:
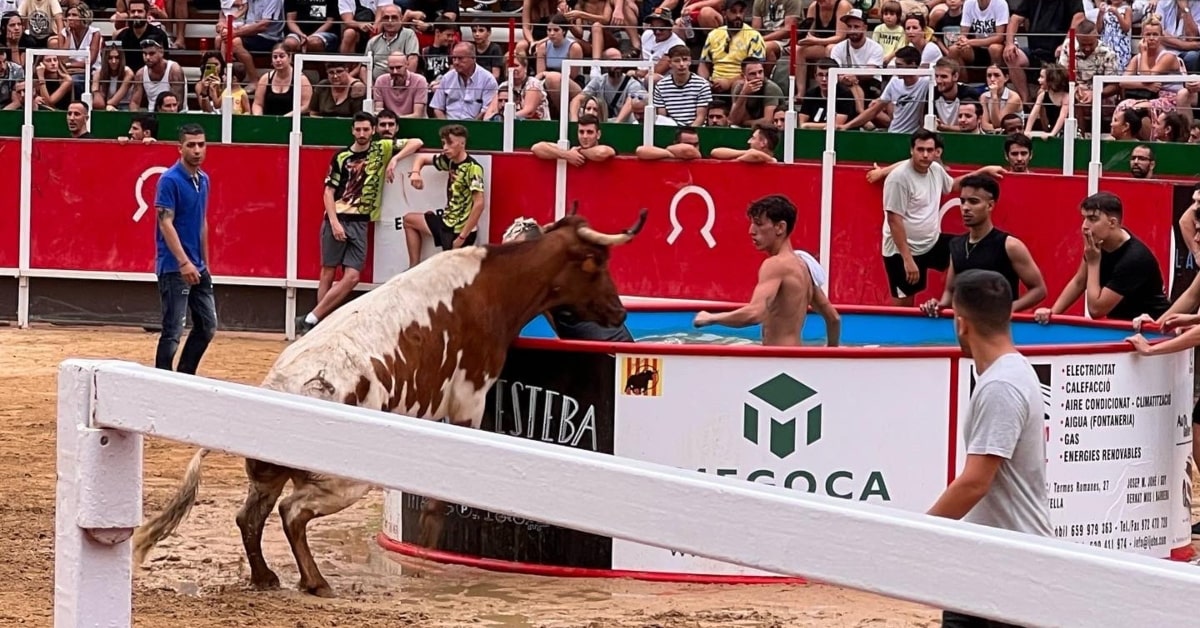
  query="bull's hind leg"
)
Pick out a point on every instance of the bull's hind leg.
point(314, 496)
point(266, 485)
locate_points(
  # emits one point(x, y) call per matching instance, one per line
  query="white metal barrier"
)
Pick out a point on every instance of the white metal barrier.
point(1095, 167)
point(106, 406)
point(564, 115)
point(26, 195)
point(829, 156)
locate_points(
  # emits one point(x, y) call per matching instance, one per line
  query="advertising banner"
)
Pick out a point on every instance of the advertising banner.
point(103, 218)
point(551, 396)
point(799, 424)
point(10, 203)
point(387, 255)
point(1117, 441)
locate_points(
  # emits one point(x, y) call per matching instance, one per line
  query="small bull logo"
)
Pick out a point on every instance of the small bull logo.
point(643, 376)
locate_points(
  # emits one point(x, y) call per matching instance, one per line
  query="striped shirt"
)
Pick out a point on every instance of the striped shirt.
point(682, 101)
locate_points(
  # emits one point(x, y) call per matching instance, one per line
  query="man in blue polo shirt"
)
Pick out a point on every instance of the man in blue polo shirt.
point(184, 284)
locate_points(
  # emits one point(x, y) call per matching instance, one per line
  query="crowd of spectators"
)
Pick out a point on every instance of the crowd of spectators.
point(999, 66)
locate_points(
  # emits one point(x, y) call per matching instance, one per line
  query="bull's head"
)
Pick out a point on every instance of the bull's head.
point(583, 283)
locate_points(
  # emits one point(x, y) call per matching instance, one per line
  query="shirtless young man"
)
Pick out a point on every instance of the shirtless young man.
point(785, 286)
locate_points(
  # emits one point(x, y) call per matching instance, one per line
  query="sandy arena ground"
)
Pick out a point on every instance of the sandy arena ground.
point(199, 577)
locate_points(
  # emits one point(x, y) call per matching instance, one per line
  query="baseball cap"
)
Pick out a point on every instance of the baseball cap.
point(660, 14)
point(853, 14)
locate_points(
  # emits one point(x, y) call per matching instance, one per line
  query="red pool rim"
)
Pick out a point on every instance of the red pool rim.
point(658, 348)
point(555, 571)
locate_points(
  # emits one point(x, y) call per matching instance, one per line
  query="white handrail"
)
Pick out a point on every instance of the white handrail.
point(1098, 82)
point(298, 71)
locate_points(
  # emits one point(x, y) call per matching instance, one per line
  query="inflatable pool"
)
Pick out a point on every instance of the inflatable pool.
point(875, 420)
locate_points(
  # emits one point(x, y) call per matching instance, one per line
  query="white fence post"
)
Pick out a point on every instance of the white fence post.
point(97, 506)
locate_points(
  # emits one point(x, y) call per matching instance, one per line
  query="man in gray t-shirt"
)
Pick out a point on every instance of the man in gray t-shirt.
point(1003, 483)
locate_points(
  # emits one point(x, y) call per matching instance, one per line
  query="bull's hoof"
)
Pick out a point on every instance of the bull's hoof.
point(266, 582)
point(321, 589)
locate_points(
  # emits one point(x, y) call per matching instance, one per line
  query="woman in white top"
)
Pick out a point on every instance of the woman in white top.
point(79, 34)
point(918, 37)
point(113, 82)
point(998, 100)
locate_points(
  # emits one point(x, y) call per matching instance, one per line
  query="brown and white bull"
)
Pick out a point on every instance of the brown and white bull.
point(428, 343)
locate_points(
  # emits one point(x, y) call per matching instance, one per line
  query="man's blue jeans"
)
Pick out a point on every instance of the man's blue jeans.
point(178, 299)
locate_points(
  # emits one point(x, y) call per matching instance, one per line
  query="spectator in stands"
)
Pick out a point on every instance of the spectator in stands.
point(77, 120)
point(16, 42)
point(658, 38)
point(969, 112)
point(54, 85)
point(1171, 127)
point(273, 92)
point(424, 12)
point(310, 26)
point(18, 99)
point(902, 103)
point(762, 143)
point(167, 102)
point(1049, 112)
point(488, 54)
point(452, 227)
point(590, 106)
point(1091, 58)
point(261, 33)
point(155, 11)
point(998, 100)
point(1150, 60)
point(133, 37)
point(1126, 125)
point(613, 87)
point(917, 34)
point(386, 124)
point(726, 47)
point(340, 95)
point(983, 24)
point(858, 51)
point(1046, 22)
point(359, 23)
point(717, 114)
point(142, 130)
point(11, 75)
point(890, 33)
point(686, 147)
point(950, 93)
point(535, 14)
point(1141, 162)
point(814, 106)
point(529, 96)
point(435, 58)
point(1118, 275)
point(587, 149)
point(1018, 151)
point(826, 30)
point(159, 76)
point(400, 90)
point(1011, 123)
point(754, 97)
point(682, 96)
point(779, 120)
point(1181, 36)
point(550, 56)
point(211, 90)
point(945, 20)
point(773, 19)
point(43, 21)
point(466, 91)
point(1114, 22)
point(392, 37)
point(79, 34)
point(177, 11)
point(586, 20)
point(113, 81)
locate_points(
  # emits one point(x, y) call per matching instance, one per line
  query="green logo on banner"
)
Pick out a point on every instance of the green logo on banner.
point(787, 402)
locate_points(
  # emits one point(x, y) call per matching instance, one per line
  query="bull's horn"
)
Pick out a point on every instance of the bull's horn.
point(606, 239)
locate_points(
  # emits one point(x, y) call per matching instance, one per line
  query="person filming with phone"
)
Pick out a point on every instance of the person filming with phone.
point(211, 91)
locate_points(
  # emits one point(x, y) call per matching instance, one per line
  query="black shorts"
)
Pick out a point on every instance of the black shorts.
point(443, 235)
point(937, 258)
point(351, 252)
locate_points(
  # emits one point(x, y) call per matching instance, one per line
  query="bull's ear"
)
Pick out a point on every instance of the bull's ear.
point(589, 264)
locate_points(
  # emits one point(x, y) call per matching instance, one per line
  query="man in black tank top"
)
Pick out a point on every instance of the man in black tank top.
point(984, 247)
point(1118, 275)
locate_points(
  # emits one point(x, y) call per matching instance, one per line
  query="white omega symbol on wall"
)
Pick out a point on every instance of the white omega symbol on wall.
point(137, 190)
point(706, 230)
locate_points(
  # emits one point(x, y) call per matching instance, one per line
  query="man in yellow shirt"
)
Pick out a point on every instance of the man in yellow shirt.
point(727, 46)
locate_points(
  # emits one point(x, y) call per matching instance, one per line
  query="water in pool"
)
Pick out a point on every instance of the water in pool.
point(861, 330)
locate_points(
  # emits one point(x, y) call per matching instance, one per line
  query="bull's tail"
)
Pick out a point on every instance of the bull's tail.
point(160, 527)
